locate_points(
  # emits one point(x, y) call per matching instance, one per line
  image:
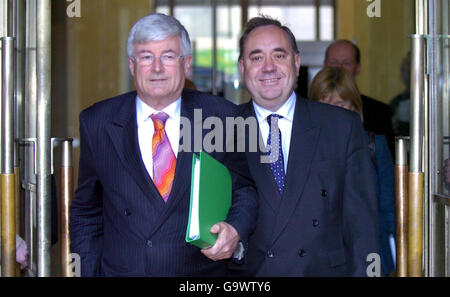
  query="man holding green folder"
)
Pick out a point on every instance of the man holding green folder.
point(130, 211)
point(317, 202)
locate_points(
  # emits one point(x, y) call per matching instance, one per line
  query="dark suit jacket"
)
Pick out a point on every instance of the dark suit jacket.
point(119, 224)
point(325, 224)
point(378, 119)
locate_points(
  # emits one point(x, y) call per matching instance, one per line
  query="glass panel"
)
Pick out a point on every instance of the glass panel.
point(300, 19)
point(228, 33)
point(441, 89)
point(444, 88)
point(443, 84)
point(326, 19)
point(197, 20)
point(163, 9)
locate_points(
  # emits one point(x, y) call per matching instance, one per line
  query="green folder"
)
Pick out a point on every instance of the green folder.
point(210, 199)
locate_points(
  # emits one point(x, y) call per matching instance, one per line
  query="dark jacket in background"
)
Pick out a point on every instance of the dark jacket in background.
point(378, 119)
point(383, 168)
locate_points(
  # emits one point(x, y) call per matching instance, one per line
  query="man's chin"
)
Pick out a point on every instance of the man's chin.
point(270, 103)
point(272, 96)
point(157, 94)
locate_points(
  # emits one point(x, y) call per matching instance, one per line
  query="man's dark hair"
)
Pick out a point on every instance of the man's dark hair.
point(265, 21)
point(355, 48)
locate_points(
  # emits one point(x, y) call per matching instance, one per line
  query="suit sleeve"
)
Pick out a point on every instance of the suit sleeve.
point(243, 212)
point(360, 202)
point(86, 220)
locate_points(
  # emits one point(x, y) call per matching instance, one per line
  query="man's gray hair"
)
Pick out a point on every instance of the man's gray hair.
point(156, 27)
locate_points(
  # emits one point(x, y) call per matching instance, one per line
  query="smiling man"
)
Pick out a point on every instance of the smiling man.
point(130, 211)
point(317, 211)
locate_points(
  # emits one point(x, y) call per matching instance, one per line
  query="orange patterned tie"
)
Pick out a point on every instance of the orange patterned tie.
point(164, 160)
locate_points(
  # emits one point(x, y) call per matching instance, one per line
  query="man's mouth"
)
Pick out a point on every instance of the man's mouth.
point(270, 80)
point(157, 81)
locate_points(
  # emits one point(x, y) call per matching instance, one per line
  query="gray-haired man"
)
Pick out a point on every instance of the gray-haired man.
point(130, 211)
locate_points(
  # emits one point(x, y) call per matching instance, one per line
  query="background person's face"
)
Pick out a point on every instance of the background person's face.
point(157, 83)
point(336, 100)
point(269, 66)
point(343, 55)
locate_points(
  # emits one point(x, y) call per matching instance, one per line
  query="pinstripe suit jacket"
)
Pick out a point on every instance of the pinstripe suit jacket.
point(119, 224)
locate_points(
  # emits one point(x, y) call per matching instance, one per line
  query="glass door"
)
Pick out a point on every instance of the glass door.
point(438, 57)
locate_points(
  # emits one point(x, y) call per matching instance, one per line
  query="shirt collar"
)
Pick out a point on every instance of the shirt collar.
point(144, 111)
point(286, 110)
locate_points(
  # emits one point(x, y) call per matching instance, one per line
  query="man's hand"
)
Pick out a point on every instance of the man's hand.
point(21, 252)
point(226, 242)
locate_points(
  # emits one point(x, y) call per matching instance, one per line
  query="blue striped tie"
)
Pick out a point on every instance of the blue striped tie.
point(277, 166)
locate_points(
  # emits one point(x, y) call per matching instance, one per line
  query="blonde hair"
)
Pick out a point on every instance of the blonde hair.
point(336, 79)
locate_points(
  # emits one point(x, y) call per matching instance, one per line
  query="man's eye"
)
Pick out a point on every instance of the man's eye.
point(146, 57)
point(168, 57)
point(256, 59)
point(280, 56)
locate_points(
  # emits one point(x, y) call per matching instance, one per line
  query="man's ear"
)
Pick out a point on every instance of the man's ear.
point(297, 63)
point(241, 67)
point(131, 66)
point(187, 65)
point(357, 69)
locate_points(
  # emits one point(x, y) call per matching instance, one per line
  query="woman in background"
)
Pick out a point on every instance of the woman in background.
point(337, 87)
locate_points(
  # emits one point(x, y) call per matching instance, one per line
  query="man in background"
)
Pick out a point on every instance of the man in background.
point(377, 115)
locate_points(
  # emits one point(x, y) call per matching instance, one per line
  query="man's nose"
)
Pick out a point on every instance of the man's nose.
point(157, 65)
point(269, 65)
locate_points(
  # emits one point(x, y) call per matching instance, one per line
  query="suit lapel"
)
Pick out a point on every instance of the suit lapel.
point(123, 133)
point(303, 145)
point(261, 172)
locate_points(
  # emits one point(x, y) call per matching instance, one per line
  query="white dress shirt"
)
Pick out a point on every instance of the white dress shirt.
point(145, 129)
point(285, 124)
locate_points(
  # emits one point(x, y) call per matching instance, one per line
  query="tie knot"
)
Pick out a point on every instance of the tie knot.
point(271, 116)
point(159, 120)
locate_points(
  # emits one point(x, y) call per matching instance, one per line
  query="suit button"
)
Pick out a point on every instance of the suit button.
point(127, 212)
point(149, 243)
point(302, 253)
point(324, 193)
point(315, 223)
point(269, 254)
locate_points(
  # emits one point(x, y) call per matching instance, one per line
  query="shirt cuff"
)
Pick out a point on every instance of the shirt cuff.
point(238, 254)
